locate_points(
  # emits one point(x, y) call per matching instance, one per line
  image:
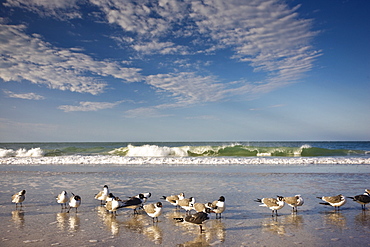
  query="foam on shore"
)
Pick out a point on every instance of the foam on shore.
point(180, 161)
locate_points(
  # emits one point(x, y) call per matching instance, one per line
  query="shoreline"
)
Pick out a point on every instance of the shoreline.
point(304, 169)
point(244, 223)
point(103, 160)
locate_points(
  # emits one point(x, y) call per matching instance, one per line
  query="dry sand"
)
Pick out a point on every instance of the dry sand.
point(40, 222)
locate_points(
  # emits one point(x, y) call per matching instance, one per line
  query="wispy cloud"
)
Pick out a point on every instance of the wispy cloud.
point(163, 48)
point(267, 35)
point(66, 9)
point(187, 88)
point(144, 112)
point(89, 106)
point(147, 19)
point(29, 96)
point(265, 108)
point(28, 57)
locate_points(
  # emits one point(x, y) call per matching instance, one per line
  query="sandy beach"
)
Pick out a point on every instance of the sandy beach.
point(40, 222)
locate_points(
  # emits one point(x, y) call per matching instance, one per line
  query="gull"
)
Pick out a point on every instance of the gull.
point(334, 201)
point(113, 203)
point(110, 197)
point(186, 203)
point(272, 203)
point(153, 210)
point(201, 207)
point(219, 207)
point(134, 202)
point(173, 199)
point(362, 199)
point(294, 202)
point(19, 197)
point(146, 196)
point(102, 195)
point(197, 218)
point(74, 202)
point(63, 198)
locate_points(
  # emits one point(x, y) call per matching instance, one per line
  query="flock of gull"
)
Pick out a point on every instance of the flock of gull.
point(154, 210)
point(295, 201)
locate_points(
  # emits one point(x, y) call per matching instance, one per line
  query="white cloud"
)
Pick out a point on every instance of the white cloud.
point(89, 106)
point(267, 35)
point(29, 96)
point(155, 47)
point(144, 112)
point(28, 57)
point(188, 88)
point(66, 9)
point(131, 16)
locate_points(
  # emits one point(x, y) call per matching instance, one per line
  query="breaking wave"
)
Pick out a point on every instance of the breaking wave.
point(231, 150)
point(22, 152)
point(146, 154)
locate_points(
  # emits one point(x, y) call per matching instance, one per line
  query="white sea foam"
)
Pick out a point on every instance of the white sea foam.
point(155, 151)
point(6, 152)
point(306, 146)
point(263, 154)
point(180, 161)
point(150, 151)
point(33, 152)
point(164, 151)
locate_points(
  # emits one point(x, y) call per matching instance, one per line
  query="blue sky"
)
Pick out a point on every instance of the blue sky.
point(189, 70)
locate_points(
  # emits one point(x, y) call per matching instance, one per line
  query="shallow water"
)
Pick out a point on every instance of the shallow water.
point(41, 222)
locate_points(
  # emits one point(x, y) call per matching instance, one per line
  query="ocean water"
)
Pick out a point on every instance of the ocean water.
point(186, 153)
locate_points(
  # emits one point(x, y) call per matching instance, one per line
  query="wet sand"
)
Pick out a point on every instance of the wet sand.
point(41, 222)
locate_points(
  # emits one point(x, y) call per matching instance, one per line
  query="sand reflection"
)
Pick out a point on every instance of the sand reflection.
point(135, 223)
point(293, 221)
point(109, 220)
point(139, 223)
point(363, 218)
point(154, 233)
point(112, 224)
point(142, 224)
point(335, 218)
point(215, 233)
point(62, 219)
point(283, 225)
point(74, 223)
point(199, 240)
point(18, 218)
point(274, 225)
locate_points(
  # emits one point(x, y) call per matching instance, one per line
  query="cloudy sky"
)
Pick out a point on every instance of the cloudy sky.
point(184, 70)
